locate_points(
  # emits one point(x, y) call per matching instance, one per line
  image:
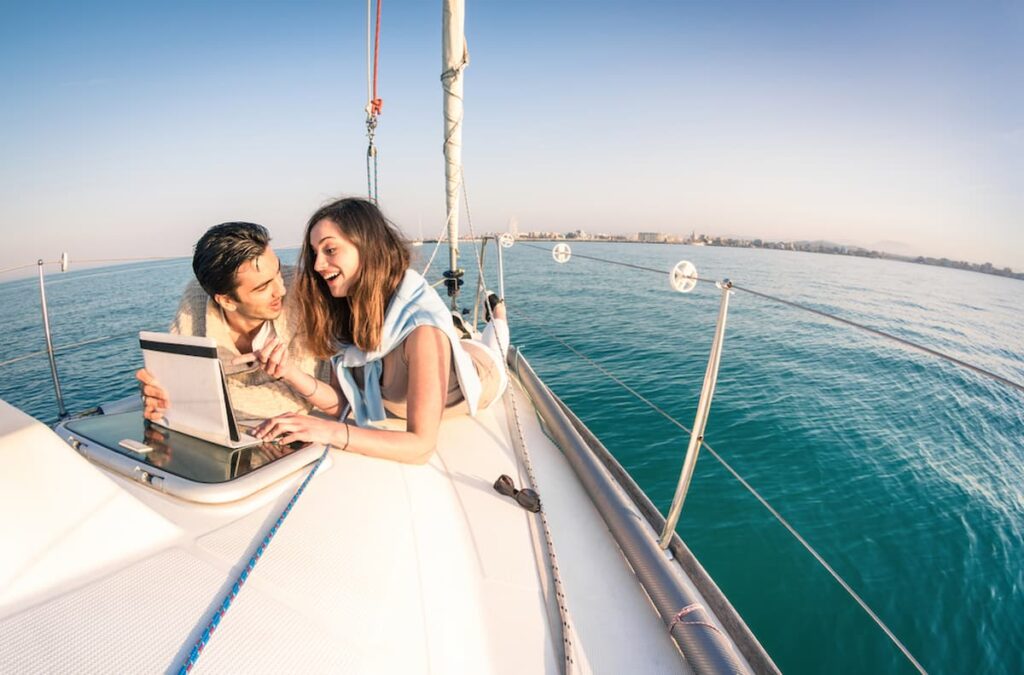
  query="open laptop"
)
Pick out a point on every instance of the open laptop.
point(188, 368)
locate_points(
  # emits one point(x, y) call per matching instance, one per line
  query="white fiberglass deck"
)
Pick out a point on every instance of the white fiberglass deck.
point(380, 567)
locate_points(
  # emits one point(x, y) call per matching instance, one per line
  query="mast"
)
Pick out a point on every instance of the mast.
point(454, 59)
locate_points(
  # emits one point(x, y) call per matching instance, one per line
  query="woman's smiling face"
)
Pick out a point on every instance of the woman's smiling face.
point(336, 258)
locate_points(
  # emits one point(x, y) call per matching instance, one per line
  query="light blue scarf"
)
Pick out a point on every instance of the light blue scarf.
point(414, 304)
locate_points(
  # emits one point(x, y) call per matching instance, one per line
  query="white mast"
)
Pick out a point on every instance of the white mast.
point(454, 59)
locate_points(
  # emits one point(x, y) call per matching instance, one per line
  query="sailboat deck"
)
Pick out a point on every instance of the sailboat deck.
point(380, 567)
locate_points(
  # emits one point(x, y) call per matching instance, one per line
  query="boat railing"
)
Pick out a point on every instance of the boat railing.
point(61, 409)
point(707, 392)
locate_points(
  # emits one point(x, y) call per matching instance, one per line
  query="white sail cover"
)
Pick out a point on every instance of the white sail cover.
point(455, 58)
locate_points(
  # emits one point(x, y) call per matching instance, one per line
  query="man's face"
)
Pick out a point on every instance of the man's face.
point(260, 292)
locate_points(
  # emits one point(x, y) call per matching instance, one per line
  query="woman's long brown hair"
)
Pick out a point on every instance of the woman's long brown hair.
point(383, 258)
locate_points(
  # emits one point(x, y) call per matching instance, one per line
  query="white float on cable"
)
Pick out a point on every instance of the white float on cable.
point(683, 276)
point(561, 253)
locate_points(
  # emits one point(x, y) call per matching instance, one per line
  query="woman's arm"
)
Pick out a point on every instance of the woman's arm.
point(272, 358)
point(430, 360)
point(429, 354)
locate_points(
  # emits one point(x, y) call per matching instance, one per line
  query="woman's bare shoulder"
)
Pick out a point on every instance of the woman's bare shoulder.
point(427, 334)
point(426, 341)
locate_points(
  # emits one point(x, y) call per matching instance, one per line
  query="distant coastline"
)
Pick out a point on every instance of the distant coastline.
point(805, 246)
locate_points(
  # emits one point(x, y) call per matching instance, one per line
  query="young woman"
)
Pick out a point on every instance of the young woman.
point(390, 339)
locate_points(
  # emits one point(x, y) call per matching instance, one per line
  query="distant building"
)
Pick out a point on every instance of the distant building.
point(656, 237)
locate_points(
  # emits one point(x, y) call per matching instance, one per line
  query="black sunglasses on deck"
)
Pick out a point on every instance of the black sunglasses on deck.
point(527, 497)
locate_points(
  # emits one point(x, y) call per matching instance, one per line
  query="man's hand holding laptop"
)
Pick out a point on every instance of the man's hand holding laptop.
point(155, 400)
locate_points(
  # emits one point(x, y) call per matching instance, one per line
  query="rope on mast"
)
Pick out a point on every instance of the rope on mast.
point(375, 104)
point(455, 58)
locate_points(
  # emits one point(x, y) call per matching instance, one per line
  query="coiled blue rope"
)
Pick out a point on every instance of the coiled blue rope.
point(211, 627)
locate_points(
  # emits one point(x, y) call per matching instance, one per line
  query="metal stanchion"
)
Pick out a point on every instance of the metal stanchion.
point(61, 410)
point(699, 422)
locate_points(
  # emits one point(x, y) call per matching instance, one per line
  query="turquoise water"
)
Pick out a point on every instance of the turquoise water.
point(904, 471)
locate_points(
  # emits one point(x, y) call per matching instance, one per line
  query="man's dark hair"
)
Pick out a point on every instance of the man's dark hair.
point(222, 250)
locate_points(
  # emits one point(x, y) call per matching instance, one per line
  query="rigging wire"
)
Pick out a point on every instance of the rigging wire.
point(143, 259)
point(374, 105)
point(735, 474)
point(868, 329)
point(481, 278)
point(18, 267)
point(613, 262)
point(89, 261)
point(441, 238)
point(75, 345)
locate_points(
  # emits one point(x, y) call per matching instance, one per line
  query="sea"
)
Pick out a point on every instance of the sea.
point(904, 471)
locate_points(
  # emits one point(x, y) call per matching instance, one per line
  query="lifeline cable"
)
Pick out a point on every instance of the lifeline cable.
point(874, 331)
point(91, 261)
point(145, 259)
point(778, 516)
point(207, 634)
point(43, 352)
point(21, 267)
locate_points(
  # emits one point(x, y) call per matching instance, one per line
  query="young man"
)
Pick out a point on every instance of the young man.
point(238, 298)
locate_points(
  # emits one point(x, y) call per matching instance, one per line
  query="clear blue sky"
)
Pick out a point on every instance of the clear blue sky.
point(127, 129)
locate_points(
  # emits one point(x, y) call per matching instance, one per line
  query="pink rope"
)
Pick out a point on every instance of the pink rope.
point(678, 618)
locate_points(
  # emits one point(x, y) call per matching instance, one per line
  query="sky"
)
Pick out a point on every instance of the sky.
point(127, 129)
